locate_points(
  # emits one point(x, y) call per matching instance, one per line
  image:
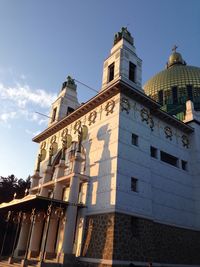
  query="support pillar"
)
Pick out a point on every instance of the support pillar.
point(71, 213)
point(51, 238)
point(46, 178)
point(23, 236)
point(35, 179)
point(34, 247)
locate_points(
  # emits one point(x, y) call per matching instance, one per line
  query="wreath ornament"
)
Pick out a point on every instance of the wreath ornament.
point(185, 141)
point(125, 105)
point(77, 126)
point(109, 107)
point(92, 117)
point(168, 132)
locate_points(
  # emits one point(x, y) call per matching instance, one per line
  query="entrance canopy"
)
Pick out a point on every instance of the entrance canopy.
point(32, 201)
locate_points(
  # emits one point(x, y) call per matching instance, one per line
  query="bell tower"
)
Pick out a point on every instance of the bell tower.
point(123, 62)
point(66, 102)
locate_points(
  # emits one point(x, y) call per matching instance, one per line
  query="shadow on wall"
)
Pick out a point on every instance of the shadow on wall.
point(99, 230)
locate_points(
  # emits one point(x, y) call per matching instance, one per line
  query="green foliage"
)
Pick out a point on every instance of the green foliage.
point(11, 185)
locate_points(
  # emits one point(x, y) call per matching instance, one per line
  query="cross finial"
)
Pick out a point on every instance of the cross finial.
point(174, 48)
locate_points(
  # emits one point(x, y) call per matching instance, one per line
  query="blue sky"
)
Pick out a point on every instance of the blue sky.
point(44, 41)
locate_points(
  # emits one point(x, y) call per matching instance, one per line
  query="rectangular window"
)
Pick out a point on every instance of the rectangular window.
point(174, 95)
point(111, 72)
point(134, 140)
point(189, 92)
point(134, 184)
point(184, 165)
point(154, 152)
point(69, 110)
point(160, 97)
point(53, 115)
point(132, 72)
point(168, 158)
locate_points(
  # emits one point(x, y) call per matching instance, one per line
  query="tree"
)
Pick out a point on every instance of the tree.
point(11, 185)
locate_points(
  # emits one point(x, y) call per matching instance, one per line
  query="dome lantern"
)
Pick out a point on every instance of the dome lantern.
point(175, 58)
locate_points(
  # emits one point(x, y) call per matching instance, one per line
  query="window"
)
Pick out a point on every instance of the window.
point(154, 152)
point(134, 184)
point(69, 110)
point(160, 97)
point(111, 71)
point(132, 71)
point(184, 165)
point(134, 140)
point(168, 158)
point(189, 92)
point(174, 95)
point(53, 115)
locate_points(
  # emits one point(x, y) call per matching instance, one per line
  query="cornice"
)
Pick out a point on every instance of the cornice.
point(102, 96)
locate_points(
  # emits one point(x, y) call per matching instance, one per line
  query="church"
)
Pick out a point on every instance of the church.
point(117, 179)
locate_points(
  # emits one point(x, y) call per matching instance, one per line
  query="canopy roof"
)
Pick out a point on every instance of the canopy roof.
point(32, 201)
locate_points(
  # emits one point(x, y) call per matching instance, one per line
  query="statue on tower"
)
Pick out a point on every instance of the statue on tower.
point(69, 82)
point(124, 33)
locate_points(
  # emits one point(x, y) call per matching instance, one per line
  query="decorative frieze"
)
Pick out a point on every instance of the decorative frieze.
point(168, 132)
point(109, 107)
point(125, 105)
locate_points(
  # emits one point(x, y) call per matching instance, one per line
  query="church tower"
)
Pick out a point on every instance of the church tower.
point(66, 102)
point(123, 62)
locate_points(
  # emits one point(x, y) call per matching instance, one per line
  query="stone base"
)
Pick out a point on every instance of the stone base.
point(121, 237)
point(33, 254)
point(66, 259)
point(19, 253)
point(10, 260)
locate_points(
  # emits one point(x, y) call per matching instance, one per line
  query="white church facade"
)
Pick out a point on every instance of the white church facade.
point(117, 179)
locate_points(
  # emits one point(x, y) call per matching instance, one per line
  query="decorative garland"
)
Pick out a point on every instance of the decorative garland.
point(92, 117)
point(168, 132)
point(109, 107)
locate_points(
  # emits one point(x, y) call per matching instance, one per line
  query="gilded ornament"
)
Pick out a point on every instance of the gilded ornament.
point(151, 123)
point(64, 132)
point(125, 105)
point(168, 132)
point(109, 107)
point(53, 139)
point(144, 115)
point(77, 126)
point(43, 145)
point(92, 117)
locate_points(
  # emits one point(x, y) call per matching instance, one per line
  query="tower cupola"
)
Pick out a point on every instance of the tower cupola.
point(123, 62)
point(66, 102)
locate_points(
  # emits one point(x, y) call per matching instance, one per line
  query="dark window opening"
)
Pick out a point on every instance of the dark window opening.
point(174, 95)
point(184, 165)
point(132, 71)
point(69, 110)
point(153, 152)
point(189, 92)
point(53, 115)
point(160, 97)
point(134, 183)
point(168, 158)
point(111, 71)
point(134, 140)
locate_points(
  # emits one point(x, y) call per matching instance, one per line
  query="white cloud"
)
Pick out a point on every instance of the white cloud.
point(23, 95)
point(4, 117)
point(22, 102)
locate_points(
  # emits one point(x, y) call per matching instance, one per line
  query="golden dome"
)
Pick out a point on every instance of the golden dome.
point(177, 76)
point(175, 58)
point(175, 85)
